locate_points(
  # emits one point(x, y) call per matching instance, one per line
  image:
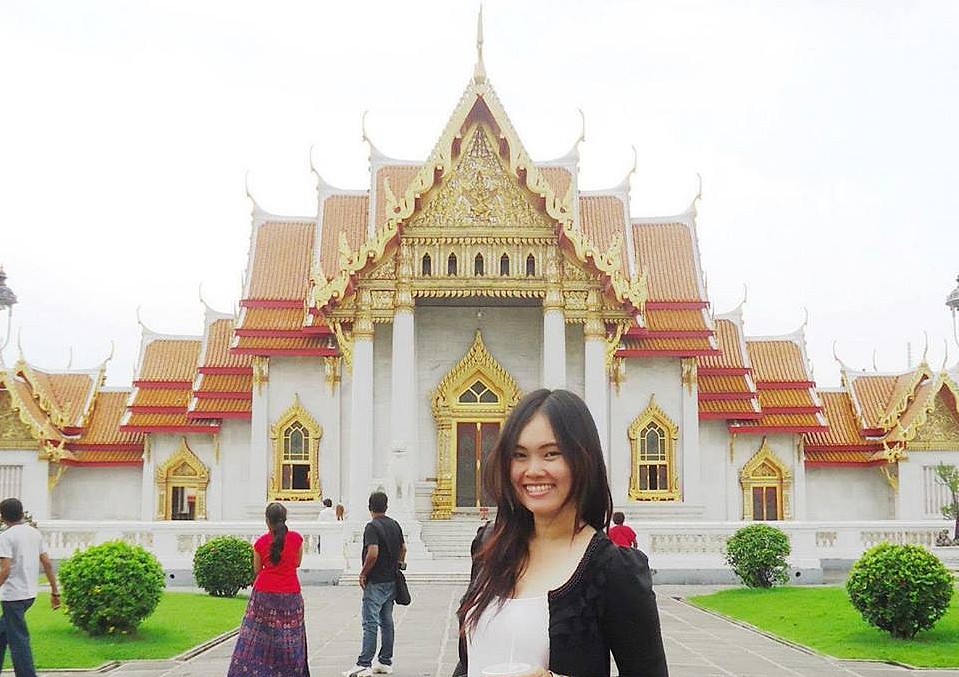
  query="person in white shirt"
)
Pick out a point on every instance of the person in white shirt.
point(22, 553)
point(327, 514)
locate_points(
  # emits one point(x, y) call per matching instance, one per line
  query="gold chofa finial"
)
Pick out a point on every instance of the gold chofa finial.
point(479, 73)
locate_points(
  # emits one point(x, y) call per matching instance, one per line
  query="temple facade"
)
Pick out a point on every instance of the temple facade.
point(382, 340)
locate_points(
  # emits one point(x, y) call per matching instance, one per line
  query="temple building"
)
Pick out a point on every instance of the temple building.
point(382, 340)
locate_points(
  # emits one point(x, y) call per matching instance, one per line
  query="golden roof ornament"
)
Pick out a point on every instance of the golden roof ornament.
point(479, 72)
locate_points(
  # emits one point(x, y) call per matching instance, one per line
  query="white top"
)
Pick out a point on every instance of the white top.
point(327, 514)
point(517, 632)
point(23, 545)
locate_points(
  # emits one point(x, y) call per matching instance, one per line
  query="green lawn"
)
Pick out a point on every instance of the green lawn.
point(824, 620)
point(180, 622)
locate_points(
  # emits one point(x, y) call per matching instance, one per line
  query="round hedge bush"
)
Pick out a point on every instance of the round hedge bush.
point(223, 565)
point(901, 589)
point(110, 588)
point(757, 554)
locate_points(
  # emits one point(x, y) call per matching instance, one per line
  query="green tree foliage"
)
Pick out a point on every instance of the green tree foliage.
point(111, 588)
point(224, 565)
point(901, 589)
point(948, 475)
point(757, 554)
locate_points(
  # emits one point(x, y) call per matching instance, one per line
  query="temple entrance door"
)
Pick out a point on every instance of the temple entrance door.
point(474, 441)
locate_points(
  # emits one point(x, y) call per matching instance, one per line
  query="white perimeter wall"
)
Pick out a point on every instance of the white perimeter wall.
point(846, 494)
point(97, 493)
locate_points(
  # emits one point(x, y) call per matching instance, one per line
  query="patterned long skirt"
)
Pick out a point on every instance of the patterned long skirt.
point(272, 641)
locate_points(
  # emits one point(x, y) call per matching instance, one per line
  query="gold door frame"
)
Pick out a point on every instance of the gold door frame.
point(766, 470)
point(183, 469)
point(476, 365)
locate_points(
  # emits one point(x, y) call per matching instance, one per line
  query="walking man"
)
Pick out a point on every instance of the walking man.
point(21, 554)
point(383, 551)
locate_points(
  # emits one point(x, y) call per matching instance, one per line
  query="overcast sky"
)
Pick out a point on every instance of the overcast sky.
point(825, 133)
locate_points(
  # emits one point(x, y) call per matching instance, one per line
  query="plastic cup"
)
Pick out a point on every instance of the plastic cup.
point(506, 669)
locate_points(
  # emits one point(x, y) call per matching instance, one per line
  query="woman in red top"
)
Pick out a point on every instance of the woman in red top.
point(272, 641)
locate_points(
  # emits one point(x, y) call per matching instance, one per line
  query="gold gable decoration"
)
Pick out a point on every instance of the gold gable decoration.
point(184, 473)
point(296, 449)
point(937, 426)
point(764, 472)
point(14, 432)
point(477, 365)
point(653, 473)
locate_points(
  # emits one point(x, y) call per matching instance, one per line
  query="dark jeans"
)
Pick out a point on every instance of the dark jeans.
point(13, 631)
point(377, 611)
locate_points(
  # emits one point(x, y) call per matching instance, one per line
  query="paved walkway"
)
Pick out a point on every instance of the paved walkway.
point(698, 644)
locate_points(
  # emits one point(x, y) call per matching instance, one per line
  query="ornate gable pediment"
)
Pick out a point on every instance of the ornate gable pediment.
point(477, 365)
point(937, 428)
point(14, 433)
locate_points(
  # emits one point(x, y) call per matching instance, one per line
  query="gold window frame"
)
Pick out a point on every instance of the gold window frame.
point(653, 415)
point(296, 415)
point(183, 469)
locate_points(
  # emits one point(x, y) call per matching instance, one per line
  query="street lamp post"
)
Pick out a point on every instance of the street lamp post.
point(7, 300)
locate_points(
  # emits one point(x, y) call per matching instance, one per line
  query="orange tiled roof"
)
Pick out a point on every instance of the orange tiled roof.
point(872, 392)
point(28, 407)
point(788, 421)
point(111, 456)
point(68, 395)
point(666, 251)
point(778, 399)
point(161, 397)
point(676, 320)
point(147, 421)
point(268, 343)
point(558, 179)
point(226, 383)
point(603, 217)
point(727, 406)
point(838, 456)
point(342, 214)
point(843, 425)
point(724, 384)
point(730, 345)
point(103, 428)
point(218, 338)
point(777, 361)
point(683, 345)
point(273, 319)
point(219, 405)
point(281, 261)
point(167, 360)
point(400, 177)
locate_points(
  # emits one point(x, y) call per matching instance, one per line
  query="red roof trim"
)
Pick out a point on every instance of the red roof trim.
point(792, 410)
point(226, 371)
point(764, 430)
point(156, 410)
point(676, 305)
point(785, 385)
point(847, 464)
point(102, 464)
point(269, 333)
point(274, 303)
point(843, 447)
point(318, 329)
point(216, 415)
point(104, 447)
point(199, 430)
point(164, 385)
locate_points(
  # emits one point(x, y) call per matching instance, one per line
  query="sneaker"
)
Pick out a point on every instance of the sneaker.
point(380, 669)
point(358, 671)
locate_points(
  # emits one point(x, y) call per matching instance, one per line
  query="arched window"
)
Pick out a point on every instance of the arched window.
point(478, 266)
point(530, 266)
point(652, 439)
point(766, 483)
point(427, 265)
point(504, 265)
point(451, 265)
point(182, 482)
point(296, 452)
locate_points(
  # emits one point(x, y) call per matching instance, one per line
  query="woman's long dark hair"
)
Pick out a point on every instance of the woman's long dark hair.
point(504, 554)
point(276, 521)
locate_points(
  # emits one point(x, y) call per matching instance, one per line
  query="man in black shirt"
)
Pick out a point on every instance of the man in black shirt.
point(383, 551)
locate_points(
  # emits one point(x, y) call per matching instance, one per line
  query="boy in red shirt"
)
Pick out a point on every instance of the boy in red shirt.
point(620, 534)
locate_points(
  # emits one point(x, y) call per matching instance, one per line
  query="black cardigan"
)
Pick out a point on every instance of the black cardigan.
point(607, 605)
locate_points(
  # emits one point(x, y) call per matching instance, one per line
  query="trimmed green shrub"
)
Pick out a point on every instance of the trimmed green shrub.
point(901, 589)
point(757, 554)
point(110, 588)
point(223, 565)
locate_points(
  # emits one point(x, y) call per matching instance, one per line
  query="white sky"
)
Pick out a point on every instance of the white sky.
point(824, 132)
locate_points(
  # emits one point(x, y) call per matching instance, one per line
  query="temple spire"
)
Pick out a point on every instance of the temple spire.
point(479, 72)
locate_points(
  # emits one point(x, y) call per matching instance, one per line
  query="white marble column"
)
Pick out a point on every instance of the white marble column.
point(361, 420)
point(689, 429)
point(799, 482)
point(148, 497)
point(597, 385)
point(261, 450)
point(403, 399)
point(554, 348)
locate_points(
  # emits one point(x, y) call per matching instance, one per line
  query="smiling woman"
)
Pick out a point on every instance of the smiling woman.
point(550, 593)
